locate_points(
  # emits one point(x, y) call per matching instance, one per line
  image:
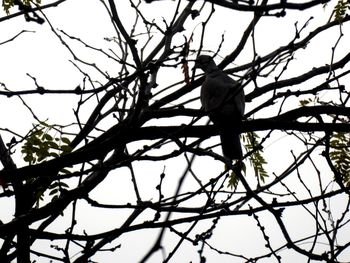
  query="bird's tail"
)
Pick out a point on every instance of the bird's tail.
point(231, 144)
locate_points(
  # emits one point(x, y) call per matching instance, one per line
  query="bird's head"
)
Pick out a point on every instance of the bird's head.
point(205, 63)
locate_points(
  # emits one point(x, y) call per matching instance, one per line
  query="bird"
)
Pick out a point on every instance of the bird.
point(223, 101)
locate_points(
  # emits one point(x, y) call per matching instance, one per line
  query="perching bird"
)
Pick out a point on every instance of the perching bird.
point(223, 100)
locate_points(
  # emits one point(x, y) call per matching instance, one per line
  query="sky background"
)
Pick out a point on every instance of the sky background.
point(40, 53)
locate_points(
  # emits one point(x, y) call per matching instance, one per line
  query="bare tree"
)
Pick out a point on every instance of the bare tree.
point(143, 118)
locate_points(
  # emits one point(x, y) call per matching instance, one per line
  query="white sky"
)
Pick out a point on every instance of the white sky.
point(41, 55)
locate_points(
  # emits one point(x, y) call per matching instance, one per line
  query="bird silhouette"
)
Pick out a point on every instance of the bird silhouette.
point(223, 100)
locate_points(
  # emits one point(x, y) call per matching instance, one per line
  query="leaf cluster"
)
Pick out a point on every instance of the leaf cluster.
point(340, 154)
point(233, 178)
point(341, 9)
point(256, 159)
point(39, 144)
point(8, 4)
point(42, 142)
point(339, 144)
point(55, 190)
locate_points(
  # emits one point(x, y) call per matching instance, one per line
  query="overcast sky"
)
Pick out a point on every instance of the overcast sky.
point(39, 53)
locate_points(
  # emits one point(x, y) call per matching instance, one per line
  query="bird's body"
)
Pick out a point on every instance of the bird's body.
point(223, 100)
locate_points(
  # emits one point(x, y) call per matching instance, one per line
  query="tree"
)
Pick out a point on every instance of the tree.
point(136, 115)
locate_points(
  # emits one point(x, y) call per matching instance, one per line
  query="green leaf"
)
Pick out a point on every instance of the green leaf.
point(66, 149)
point(53, 154)
point(65, 171)
point(54, 191)
point(233, 180)
point(54, 145)
point(303, 103)
point(28, 158)
point(65, 140)
point(63, 185)
point(47, 137)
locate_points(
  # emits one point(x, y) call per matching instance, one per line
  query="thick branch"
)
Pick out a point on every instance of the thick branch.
point(33, 9)
point(121, 134)
point(282, 5)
